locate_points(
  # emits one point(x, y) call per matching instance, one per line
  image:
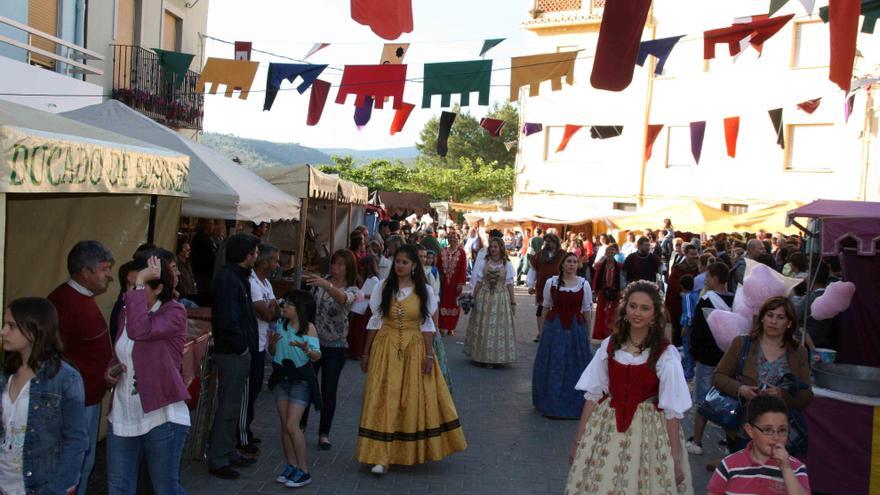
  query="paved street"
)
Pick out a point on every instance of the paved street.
point(511, 448)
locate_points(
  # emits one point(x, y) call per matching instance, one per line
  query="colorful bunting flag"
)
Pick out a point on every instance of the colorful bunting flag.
point(844, 18)
point(530, 128)
point(317, 99)
point(653, 132)
point(490, 44)
point(315, 49)
point(698, 132)
point(868, 8)
point(393, 53)
point(755, 32)
point(509, 145)
point(174, 65)
point(492, 126)
point(446, 121)
point(235, 74)
point(775, 5)
point(848, 107)
point(243, 50)
point(400, 117)
point(810, 106)
point(660, 48)
point(280, 72)
point(605, 131)
point(532, 70)
point(363, 113)
point(387, 18)
point(731, 133)
point(457, 77)
point(377, 81)
point(778, 126)
point(570, 131)
point(618, 46)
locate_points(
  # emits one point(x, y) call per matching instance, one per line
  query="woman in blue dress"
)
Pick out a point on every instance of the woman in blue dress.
point(564, 350)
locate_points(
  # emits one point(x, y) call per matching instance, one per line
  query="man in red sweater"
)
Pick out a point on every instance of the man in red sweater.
point(84, 334)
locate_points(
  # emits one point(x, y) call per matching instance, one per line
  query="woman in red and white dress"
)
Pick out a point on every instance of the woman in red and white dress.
point(452, 265)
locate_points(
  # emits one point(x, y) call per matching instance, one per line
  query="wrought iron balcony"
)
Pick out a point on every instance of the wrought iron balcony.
point(139, 82)
point(556, 14)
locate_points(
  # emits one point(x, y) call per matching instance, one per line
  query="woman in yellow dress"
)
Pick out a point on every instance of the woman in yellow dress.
point(408, 415)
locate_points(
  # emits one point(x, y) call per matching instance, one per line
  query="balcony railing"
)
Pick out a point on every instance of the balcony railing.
point(561, 13)
point(140, 82)
point(74, 58)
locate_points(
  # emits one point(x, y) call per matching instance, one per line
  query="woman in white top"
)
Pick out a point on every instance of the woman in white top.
point(368, 270)
point(629, 437)
point(564, 350)
point(148, 415)
point(491, 338)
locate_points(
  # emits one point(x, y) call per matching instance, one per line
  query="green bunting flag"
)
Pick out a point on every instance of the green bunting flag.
point(490, 44)
point(175, 65)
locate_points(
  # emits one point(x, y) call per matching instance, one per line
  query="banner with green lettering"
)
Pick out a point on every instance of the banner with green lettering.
point(33, 161)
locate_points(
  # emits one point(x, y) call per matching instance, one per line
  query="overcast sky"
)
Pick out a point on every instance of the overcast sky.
point(444, 31)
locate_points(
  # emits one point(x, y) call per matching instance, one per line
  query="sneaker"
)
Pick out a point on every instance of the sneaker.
point(250, 450)
point(693, 447)
point(288, 470)
point(298, 479)
point(379, 469)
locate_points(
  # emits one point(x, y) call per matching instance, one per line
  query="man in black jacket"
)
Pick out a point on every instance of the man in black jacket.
point(234, 326)
point(703, 348)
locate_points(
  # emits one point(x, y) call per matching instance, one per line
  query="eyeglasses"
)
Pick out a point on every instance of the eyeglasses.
point(769, 431)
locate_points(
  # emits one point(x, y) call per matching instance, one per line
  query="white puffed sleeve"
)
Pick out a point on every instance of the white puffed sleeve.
point(511, 274)
point(548, 288)
point(594, 379)
point(587, 301)
point(478, 268)
point(675, 398)
point(532, 278)
point(375, 322)
point(428, 324)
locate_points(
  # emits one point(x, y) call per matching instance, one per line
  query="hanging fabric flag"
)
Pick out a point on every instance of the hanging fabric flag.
point(731, 133)
point(280, 72)
point(400, 117)
point(535, 69)
point(317, 99)
point(387, 18)
point(623, 23)
point(653, 132)
point(661, 49)
point(775, 5)
point(377, 81)
point(844, 18)
point(605, 131)
point(810, 106)
point(509, 145)
point(235, 74)
point(776, 119)
point(243, 50)
point(755, 32)
point(570, 131)
point(446, 121)
point(315, 49)
point(848, 107)
point(175, 65)
point(869, 8)
point(393, 53)
point(698, 132)
point(457, 77)
point(492, 126)
point(363, 113)
point(530, 128)
point(490, 44)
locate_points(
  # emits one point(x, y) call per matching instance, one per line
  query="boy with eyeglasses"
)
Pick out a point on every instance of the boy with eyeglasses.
point(764, 466)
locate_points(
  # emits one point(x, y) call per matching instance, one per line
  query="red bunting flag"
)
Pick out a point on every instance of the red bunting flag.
point(731, 133)
point(756, 33)
point(844, 18)
point(387, 18)
point(400, 117)
point(623, 22)
point(492, 126)
point(653, 132)
point(243, 50)
point(317, 99)
point(570, 130)
point(810, 106)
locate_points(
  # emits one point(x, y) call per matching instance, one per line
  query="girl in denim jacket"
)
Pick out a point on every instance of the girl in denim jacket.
point(43, 432)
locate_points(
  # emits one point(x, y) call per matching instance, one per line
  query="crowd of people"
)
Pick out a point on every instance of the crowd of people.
point(387, 301)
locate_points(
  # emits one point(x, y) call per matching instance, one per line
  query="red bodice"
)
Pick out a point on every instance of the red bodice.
point(566, 305)
point(629, 386)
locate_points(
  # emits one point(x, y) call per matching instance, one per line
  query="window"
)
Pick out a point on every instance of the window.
point(810, 48)
point(807, 147)
point(734, 209)
point(678, 147)
point(43, 15)
point(625, 206)
point(172, 32)
point(128, 21)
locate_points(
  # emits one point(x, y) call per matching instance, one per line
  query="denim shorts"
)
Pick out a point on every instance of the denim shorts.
point(296, 391)
point(702, 382)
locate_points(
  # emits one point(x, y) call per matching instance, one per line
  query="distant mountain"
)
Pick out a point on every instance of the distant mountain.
point(255, 153)
point(406, 154)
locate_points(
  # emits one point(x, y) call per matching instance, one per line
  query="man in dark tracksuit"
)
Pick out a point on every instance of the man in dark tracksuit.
point(234, 326)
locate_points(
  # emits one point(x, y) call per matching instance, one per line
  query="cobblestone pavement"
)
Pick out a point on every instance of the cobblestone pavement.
point(511, 448)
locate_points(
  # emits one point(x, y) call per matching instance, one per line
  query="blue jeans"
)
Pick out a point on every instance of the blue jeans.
point(687, 359)
point(703, 382)
point(162, 447)
point(93, 422)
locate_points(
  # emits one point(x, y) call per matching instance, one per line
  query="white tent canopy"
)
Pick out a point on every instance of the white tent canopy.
point(219, 188)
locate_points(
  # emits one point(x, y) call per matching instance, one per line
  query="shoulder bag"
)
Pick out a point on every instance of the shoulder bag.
point(722, 409)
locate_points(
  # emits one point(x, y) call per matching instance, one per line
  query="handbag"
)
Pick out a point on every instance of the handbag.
point(722, 409)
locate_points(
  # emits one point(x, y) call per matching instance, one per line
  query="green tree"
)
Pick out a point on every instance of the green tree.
point(377, 175)
point(468, 140)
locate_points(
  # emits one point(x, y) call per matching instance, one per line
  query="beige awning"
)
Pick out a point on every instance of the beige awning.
point(350, 192)
point(302, 181)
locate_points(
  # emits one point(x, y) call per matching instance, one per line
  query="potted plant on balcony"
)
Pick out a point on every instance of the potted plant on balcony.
point(535, 13)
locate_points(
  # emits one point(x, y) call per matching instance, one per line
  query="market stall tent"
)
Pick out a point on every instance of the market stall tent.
point(220, 188)
point(64, 181)
point(773, 219)
point(687, 216)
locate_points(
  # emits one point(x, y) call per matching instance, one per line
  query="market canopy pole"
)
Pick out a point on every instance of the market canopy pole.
point(301, 244)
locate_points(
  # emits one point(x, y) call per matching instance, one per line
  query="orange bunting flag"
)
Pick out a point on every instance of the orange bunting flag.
point(810, 106)
point(570, 131)
point(400, 117)
point(532, 70)
point(234, 74)
point(653, 132)
point(731, 133)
